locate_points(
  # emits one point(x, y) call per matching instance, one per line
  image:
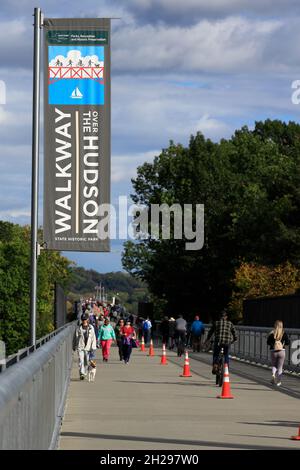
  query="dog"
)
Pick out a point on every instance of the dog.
point(92, 368)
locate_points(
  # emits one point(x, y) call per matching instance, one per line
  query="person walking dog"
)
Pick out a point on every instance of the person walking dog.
point(84, 342)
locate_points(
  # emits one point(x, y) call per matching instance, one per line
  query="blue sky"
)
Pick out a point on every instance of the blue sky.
point(177, 68)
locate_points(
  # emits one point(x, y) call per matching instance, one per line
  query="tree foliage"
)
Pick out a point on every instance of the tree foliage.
point(252, 280)
point(130, 290)
point(250, 186)
point(15, 282)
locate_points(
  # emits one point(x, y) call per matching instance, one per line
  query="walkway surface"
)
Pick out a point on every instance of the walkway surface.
point(144, 405)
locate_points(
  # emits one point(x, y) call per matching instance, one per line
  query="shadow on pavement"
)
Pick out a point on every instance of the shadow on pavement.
point(113, 437)
point(288, 424)
point(196, 384)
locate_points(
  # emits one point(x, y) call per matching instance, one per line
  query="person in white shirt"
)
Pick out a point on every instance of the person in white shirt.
point(84, 342)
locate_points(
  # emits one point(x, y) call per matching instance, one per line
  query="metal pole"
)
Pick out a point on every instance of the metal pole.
point(35, 171)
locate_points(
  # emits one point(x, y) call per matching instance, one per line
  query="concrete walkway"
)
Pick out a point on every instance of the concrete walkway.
point(144, 405)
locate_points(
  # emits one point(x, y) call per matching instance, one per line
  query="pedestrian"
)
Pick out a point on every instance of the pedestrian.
point(128, 335)
point(180, 334)
point(164, 329)
point(106, 337)
point(197, 330)
point(84, 342)
point(172, 324)
point(224, 335)
point(139, 325)
point(277, 340)
point(119, 337)
point(146, 328)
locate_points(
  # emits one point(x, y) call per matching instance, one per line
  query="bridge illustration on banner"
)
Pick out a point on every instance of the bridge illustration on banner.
point(62, 73)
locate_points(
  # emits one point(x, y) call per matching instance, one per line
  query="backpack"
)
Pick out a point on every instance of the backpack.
point(146, 326)
point(278, 346)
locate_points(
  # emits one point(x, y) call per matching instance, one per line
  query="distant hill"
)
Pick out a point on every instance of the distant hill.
point(130, 291)
point(85, 281)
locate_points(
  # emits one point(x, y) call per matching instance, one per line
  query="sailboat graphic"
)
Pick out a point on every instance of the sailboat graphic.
point(76, 93)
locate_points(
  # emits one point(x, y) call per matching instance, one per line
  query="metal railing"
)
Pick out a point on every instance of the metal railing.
point(25, 352)
point(252, 346)
point(33, 391)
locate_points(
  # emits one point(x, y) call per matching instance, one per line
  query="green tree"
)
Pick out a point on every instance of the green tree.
point(249, 185)
point(14, 286)
point(252, 281)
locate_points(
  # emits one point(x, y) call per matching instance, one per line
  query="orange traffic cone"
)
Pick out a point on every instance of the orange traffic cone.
point(151, 349)
point(164, 356)
point(143, 344)
point(226, 384)
point(296, 438)
point(186, 367)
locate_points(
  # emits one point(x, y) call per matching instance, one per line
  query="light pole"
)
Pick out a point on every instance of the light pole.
point(35, 172)
point(96, 289)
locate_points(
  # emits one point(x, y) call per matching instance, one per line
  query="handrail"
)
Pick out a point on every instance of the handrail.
point(33, 393)
point(25, 352)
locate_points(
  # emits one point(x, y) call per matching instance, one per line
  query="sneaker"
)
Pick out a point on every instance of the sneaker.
point(82, 377)
point(278, 384)
point(273, 379)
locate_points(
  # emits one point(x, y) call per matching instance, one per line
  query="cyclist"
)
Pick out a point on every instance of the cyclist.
point(180, 334)
point(225, 334)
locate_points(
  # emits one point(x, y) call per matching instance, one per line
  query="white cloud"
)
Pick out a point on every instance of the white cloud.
point(212, 128)
point(11, 213)
point(231, 44)
point(124, 166)
point(177, 11)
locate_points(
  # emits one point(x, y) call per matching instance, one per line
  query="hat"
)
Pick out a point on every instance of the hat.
point(84, 316)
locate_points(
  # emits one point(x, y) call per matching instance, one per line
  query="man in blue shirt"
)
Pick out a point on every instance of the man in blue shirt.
point(197, 330)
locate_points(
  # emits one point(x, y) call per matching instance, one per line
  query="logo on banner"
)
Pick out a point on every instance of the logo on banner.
point(76, 74)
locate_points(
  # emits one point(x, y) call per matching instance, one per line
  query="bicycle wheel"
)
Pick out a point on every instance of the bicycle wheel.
point(221, 372)
point(217, 378)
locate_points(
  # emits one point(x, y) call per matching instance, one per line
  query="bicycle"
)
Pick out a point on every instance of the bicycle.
point(181, 344)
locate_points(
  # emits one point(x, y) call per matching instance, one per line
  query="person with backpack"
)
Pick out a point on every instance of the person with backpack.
point(197, 330)
point(146, 328)
point(277, 340)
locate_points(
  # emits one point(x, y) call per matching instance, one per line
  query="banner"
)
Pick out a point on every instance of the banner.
point(77, 132)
